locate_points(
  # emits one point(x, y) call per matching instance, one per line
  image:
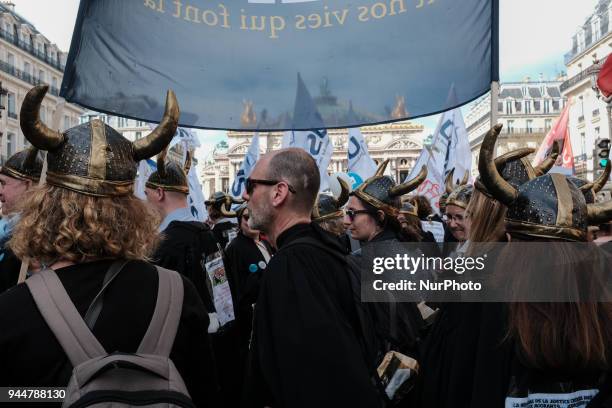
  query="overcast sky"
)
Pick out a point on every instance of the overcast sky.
point(534, 36)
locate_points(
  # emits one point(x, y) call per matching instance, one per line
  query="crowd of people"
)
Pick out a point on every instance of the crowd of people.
point(130, 301)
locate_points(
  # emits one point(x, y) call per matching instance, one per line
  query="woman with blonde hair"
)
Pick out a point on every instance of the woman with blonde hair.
point(92, 237)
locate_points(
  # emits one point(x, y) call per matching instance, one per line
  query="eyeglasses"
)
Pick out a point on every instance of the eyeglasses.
point(353, 213)
point(251, 183)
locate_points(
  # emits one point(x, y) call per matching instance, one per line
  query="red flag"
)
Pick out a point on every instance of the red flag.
point(604, 80)
point(560, 133)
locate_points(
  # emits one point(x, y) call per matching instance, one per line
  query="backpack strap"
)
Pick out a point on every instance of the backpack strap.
point(160, 335)
point(63, 318)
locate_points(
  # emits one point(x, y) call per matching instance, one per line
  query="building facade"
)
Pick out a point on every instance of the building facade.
point(527, 110)
point(400, 142)
point(589, 117)
point(131, 129)
point(28, 58)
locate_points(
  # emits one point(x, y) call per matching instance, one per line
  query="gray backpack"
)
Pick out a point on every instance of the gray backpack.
point(145, 378)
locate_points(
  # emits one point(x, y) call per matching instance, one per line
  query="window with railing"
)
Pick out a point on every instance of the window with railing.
point(11, 104)
point(595, 113)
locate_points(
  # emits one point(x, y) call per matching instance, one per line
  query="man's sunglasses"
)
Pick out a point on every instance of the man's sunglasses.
point(353, 213)
point(251, 183)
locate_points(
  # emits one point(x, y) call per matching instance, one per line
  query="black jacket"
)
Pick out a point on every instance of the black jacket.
point(183, 247)
point(306, 339)
point(31, 356)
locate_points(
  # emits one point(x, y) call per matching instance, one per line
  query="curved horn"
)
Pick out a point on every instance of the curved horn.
point(408, 186)
point(517, 154)
point(548, 162)
point(162, 135)
point(187, 165)
point(33, 129)
point(448, 182)
point(381, 169)
point(601, 181)
point(30, 159)
point(492, 180)
point(466, 178)
point(227, 213)
point(161, 163)
point(344, 193)
point(599, 213)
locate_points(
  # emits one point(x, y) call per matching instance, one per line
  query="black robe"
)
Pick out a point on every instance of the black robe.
point(30, 355)
point(9, 269)
point(222, 230)
point(242, 259)
point(306, 347)
point(183, 246)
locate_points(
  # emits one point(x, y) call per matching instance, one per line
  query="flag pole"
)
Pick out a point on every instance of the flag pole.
point(494, 100)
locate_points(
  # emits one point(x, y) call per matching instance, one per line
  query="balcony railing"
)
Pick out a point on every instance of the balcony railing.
point(585, 74)
point(8, 36)
point(24, 76)
point(518, 131)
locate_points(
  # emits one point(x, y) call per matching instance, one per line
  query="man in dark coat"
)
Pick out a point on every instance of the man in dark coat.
point(306, 348)
point(185, 242)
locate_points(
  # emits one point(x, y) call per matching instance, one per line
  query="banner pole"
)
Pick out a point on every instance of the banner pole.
point(494, 100)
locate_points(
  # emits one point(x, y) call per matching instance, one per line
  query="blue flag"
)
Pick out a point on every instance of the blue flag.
point(233, 63)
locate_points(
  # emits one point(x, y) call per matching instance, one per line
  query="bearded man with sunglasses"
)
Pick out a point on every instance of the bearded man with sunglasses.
point(305, 350)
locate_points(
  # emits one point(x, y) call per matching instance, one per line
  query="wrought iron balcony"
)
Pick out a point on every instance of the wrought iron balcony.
point(10, 37)
point(25, 76)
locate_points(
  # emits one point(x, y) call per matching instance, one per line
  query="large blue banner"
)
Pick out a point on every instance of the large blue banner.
point(234, 64)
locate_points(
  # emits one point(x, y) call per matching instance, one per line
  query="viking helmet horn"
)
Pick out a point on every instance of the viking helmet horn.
point(548, 162)
point(162, 135)
point(466, 178)
point(599, 213)
point(30, 159)
point(408, 186)
point(226, 205)
point(448, 182)
point(513, 155)
point(381, 169)
point(344, 193)
point(601, 181)
point(161, 163)
point(41, 136)
point(493, 181)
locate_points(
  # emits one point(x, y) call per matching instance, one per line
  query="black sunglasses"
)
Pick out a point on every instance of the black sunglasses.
point(251, 183)
point(353, 213)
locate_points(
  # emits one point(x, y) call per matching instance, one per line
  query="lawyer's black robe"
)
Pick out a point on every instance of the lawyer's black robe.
point(182, 247)
point(9, 269)
point(306, 335)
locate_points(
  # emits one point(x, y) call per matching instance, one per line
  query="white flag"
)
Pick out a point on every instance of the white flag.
point(318, 144)
point(145, 169)
point(360, 164)
point(450, 149)
point(195, 199)
point(250, 158)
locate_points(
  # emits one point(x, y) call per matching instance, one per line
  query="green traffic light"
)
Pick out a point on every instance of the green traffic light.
point(603, 163)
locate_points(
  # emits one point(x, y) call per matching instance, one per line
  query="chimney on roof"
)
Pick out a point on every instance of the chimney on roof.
point(527, 79)
point(9, 5)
